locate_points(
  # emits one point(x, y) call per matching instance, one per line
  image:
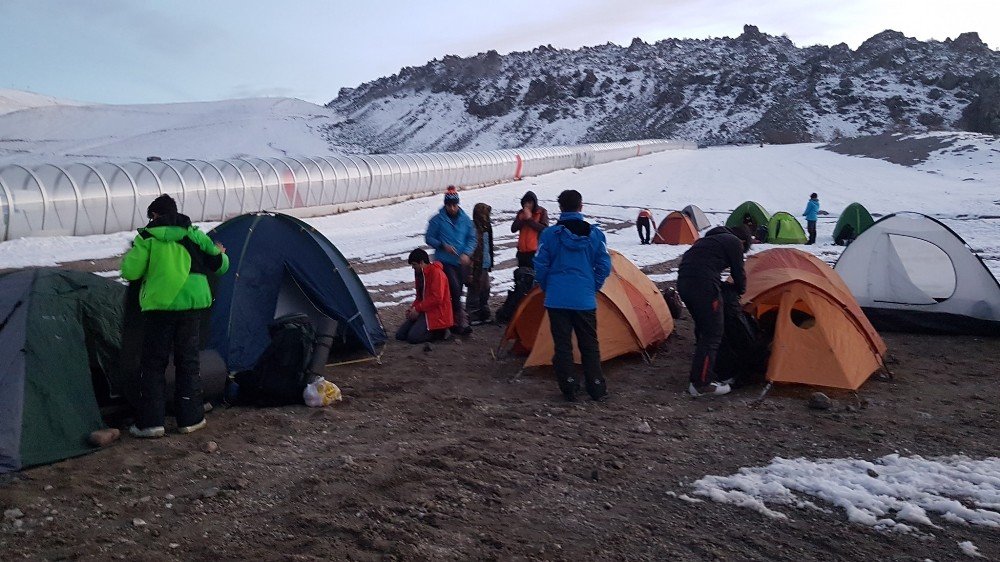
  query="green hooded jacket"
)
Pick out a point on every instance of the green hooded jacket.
point(161, 256)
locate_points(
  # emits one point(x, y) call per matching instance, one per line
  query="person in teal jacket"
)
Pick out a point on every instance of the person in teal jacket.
point(571, 266)
point(453, 236)
point(811, 214)
point(172, 259)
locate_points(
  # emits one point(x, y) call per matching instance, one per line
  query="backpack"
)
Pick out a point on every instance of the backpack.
point(282, 371)
point(743, 352)
point(674, 302)
point(524, 280)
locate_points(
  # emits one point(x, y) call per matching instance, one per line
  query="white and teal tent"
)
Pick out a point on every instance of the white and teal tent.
point(911, 273)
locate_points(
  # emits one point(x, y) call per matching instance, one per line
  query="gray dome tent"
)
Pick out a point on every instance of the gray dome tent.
point(911, 273)
point(697, 216)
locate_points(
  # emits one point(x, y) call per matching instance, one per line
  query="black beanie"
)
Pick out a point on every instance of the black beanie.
point(162, 205)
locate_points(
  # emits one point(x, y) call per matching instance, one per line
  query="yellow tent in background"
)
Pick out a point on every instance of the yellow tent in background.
point(821, 336)
point(631, 317)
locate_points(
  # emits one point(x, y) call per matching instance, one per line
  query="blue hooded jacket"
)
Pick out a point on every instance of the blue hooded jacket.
point(812, 210)
point(458, 232)
point(572, 263)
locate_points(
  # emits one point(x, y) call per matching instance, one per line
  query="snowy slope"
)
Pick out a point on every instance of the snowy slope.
point(716, 179)
point(16, 100)
point(207, 130)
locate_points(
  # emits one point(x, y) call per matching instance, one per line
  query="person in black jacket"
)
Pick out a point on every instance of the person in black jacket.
point(700, 286)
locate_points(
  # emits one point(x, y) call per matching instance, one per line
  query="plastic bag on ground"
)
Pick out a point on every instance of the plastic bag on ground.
point(321, 392)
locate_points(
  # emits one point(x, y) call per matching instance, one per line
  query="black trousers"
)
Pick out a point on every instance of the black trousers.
point(811, 228)
point(415, 331)
point(166, 332)
point(703, 299)
point(526, 259)
point(642, 226)
point(564, 323)
point(477, 303)
point(454, 274)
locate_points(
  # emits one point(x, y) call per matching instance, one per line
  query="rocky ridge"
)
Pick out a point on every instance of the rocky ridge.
point(752, 88)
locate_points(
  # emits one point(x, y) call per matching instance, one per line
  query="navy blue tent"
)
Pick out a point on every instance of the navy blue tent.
point(279, 264)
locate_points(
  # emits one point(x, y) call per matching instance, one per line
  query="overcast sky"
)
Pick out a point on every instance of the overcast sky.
point(150, 51)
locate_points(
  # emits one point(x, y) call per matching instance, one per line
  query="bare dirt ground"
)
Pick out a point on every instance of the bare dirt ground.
point(448, 454)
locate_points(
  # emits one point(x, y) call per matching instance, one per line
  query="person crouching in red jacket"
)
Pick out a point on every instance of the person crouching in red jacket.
point(430, 316)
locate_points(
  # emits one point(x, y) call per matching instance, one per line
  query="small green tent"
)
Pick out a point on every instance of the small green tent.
point(60, 335)
point(757, 214)
point(783, 228)
point(855, 215)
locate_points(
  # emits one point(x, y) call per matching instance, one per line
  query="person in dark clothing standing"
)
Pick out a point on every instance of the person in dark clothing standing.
point(173, 259)
point(529, 223)
point(571, 265)
point(478, 301)
point(811, 214)
point(700, 286)
point(643, 224)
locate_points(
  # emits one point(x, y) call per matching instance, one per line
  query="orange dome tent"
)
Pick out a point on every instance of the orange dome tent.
point(677, 228)
point(821, 336)
point(631, 317)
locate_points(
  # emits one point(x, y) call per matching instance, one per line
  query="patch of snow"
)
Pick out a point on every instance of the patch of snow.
point(891, 493)
point(969, 549)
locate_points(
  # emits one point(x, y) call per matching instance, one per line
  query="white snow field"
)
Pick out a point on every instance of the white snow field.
point(35, 130)
point(891, 493)
point(716, 179)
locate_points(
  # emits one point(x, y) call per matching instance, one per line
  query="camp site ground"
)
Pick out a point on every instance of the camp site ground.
point(448, 454)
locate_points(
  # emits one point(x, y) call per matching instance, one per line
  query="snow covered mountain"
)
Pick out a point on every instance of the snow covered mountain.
point(206, 130)
point(16, 100)
point(755, 87)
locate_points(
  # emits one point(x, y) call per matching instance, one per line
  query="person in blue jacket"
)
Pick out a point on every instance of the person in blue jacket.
point(453, 236)
point(811, 212)
point(571, 265)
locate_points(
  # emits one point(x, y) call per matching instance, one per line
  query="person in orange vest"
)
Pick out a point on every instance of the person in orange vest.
point(642, 225)
point(430, 316)
point(529, 222)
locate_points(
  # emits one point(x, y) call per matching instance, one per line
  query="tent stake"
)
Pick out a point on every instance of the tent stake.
point(763, 393)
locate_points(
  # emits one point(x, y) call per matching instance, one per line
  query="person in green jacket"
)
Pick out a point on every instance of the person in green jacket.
point(172, 259)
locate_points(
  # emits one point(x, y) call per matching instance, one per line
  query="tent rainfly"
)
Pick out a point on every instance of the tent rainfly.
point(675, 229)
point(821, 336)
point(857, 217)
point(752, 209)
point(632, 316)
point(698, 217)
point(783, 228)
point(279, 264)
point(60, 336)
point(911, 273)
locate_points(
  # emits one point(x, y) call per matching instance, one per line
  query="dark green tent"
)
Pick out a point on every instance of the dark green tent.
point(783, 228)
point(757, 214)
point(60, 334)
point(855, 215)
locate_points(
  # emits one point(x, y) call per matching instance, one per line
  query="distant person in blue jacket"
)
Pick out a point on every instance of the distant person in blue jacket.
point(811, 212)
point(571, 265)
point(452, 235)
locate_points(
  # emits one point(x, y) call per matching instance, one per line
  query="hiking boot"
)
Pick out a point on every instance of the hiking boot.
point(463, 330)
point(193, 428)
point(154, 432)
point(710, 389)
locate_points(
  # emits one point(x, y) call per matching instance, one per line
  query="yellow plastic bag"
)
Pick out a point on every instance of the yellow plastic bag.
point(321, 392)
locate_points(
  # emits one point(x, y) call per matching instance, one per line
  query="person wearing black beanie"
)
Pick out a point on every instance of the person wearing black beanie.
point(170, 261)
